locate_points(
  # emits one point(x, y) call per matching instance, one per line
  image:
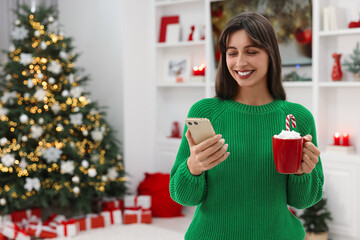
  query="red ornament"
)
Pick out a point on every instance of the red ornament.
point(336, 73)
point(190, 38)
point(303, 36)
point(354, 24)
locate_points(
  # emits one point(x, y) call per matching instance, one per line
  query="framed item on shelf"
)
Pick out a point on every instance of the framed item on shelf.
point(165, 21)
point(173, 33)
point(291, 21)
point(178, 69)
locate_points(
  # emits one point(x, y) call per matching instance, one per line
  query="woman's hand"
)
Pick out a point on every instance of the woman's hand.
point(206, 154)
point(310, 156)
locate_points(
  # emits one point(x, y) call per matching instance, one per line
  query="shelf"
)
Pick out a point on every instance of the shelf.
point(180, 85)
point(181, 44)
point(298, 84)
point(339, 84)
point(174, 2)
point(340, 32)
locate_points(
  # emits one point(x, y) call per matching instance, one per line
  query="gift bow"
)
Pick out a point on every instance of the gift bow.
point(32, 183)
point(17, 229)
point(65, 223)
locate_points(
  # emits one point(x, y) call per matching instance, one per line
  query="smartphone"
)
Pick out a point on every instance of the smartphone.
point(200, 128)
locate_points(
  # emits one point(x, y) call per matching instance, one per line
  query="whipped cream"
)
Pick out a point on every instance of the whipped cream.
point(288, 135)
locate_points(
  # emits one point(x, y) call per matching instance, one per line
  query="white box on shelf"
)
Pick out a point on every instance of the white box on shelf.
point(340, 149)
point(172, 33)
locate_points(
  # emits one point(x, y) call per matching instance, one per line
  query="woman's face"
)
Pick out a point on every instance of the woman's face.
point(247, 64)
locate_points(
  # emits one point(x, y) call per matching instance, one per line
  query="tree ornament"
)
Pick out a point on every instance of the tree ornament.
point(76, 92)
point(119, 157)
point(40, 76)
point(67, 167)
point(32, 183)
point(54, 67)
point(76, 119)
point(3, 141)
point(112, 173)
point(97, 135)
point(65, 93)
point(26, 58)
point(51, 80)
point(51, 154)
point(85, 133)
point(30, 83)
point(12, 48)
point(41, 120)
point(85, 163)
point(19, 33)
point(24, 138)
point(64, 55)
point(50, 19)
point(8, 160)
point(24, 118)
point(59, 127)
point(40, 94)
point(43, 45)
point(8, 97)
point(55, 108)
point(92, 172)
point(37, 33)
point(2, 201)
point(26, 95)
point(23, 164)
point(3, 111)
point(8, 77)
point(75, 179)
point(17, 22)
point(76, 190)
point(104, 178)
point(36, 131)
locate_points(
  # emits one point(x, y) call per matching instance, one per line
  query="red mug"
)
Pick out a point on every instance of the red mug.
point(287, 154)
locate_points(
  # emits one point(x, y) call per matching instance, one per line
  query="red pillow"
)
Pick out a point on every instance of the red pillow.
point(157, 186)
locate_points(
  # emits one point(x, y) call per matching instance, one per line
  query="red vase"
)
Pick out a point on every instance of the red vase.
point(175, 131)
point(336, 73)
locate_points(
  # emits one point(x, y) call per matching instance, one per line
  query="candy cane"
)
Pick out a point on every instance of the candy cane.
point(288, 117)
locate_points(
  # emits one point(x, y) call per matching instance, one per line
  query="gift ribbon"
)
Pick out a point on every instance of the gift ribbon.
point(17, 230)
point(65, 224)
point(50, 219)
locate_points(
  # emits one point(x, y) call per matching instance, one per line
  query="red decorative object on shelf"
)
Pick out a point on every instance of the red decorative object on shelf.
point(191, 35)
point(345, 140)
point(175, 131)
point(199, 71)
point(354, 24)
point(165, 20)
point(336, 138)
point(336, 73)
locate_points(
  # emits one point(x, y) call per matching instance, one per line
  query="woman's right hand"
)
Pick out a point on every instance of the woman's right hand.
point(206, 154)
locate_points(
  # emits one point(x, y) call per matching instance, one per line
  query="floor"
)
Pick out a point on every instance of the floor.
point(160, 229)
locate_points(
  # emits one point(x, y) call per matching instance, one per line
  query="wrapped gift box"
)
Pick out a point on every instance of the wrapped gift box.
point(54, 220)
point(137, 216)
point(112, 216)
point(112, 203)
point(91, 221)
point(140, 201)
point(38, 230)
point(68, 229)
point(18, 216)
point(11, 230)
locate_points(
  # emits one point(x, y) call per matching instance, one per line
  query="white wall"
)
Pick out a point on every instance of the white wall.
point(113, 37)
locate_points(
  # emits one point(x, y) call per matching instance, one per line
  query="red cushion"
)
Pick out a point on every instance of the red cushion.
point(157, 186)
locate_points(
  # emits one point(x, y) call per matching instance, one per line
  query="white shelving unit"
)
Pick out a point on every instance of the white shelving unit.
point(335, 105)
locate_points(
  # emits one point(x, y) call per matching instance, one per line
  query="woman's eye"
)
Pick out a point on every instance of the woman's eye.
point(252, 53)
point(231, 53)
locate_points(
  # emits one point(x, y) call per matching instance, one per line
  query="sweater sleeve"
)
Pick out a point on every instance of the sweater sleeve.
point(185, 188)
point(306, 190)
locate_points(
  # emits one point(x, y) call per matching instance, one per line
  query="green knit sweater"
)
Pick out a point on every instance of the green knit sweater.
point(244, 197)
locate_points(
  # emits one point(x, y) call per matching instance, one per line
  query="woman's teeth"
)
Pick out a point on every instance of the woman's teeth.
point(244, 73)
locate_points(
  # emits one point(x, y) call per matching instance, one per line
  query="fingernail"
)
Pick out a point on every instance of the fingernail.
point(222, 140)
point(219, 136)
point(226, 146)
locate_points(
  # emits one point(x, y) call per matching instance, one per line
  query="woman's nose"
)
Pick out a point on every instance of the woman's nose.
point(241, 60)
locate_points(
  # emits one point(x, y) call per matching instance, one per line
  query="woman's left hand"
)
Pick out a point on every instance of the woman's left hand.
point(310, 156)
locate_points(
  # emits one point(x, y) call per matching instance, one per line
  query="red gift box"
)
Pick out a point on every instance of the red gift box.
point(137, 216)
point(38, 230)
point(18, 216)
point(91, 221)
point(112, 204)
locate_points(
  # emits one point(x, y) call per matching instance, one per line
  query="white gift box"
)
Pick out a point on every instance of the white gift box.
point(68, 229)
point(141, 201)
point(112, 217)
point(11, 230)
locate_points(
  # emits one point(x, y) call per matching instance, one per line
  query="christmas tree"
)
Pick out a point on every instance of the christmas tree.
point(56, 148)
point(316, 217)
